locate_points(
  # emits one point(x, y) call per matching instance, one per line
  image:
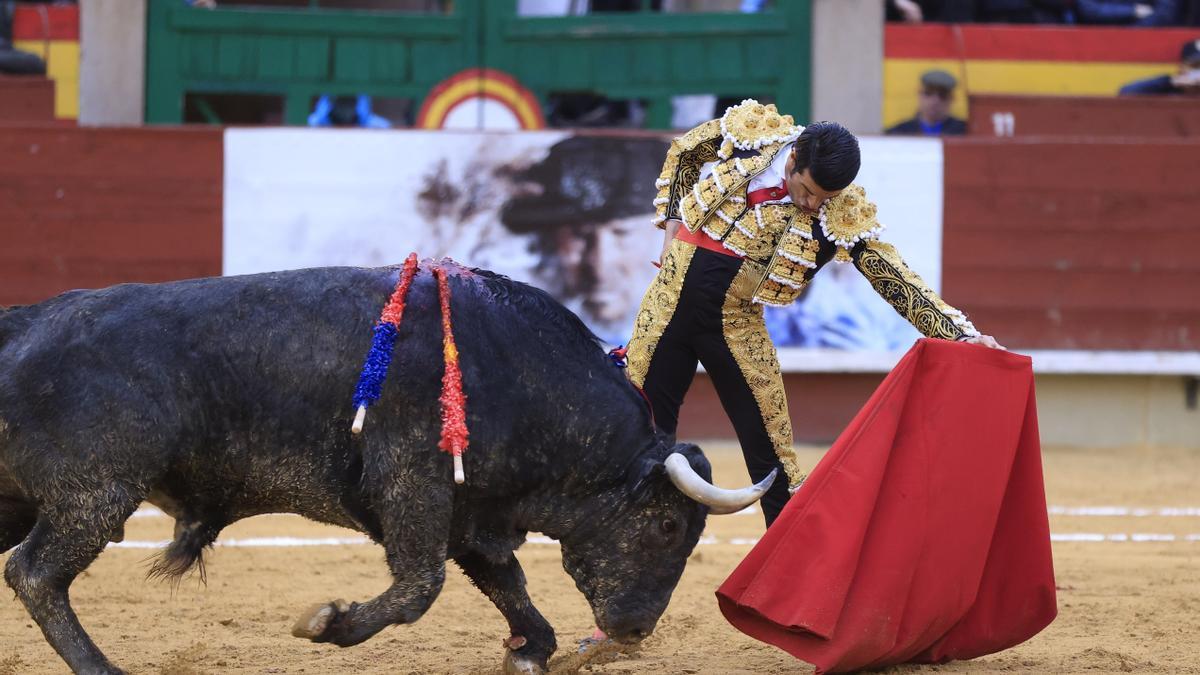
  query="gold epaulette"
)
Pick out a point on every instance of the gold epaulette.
point(848, 219)
point(750, 125)
point(693, 138)
point(682, 167)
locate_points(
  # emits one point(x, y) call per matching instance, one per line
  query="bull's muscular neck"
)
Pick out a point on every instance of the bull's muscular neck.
point(598, 484)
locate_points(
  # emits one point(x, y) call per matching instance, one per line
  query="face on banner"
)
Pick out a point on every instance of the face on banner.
point(587, 207)
point(593, 267)
point(567, 213)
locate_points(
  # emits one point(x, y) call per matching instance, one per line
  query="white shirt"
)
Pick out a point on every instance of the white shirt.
point(772, 176)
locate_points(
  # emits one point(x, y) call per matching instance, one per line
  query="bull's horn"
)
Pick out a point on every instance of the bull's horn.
point(719, 501)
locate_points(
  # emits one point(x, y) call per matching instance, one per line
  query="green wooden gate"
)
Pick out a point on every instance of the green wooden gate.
point(299, 54)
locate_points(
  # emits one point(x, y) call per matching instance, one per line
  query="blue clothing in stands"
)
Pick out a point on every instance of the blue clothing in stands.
point(1153, 85)
point(366, 118)
point(1166, 12)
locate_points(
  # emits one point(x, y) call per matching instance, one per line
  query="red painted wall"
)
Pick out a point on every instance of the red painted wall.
point(1075, 243)
point(94, 207)
point(26, 99)
point(820, 405)
point(1111, 117)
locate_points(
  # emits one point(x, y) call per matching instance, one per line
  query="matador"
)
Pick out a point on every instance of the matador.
point(753, 206)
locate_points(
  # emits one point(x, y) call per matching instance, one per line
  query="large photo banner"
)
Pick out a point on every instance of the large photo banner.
point(566, 212)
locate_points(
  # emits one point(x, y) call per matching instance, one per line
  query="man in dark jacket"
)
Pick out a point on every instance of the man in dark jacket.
point(1186, 81)
point(14, 61)
point(1129, 12)
point(1022, 11)
point(933, 108)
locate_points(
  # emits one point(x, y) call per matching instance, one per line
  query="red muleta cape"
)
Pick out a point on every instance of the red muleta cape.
point(922, 535)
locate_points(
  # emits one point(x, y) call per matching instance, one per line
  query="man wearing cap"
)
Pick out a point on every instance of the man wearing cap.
point(933, 108)
point(1186, 81)
point(14, 61)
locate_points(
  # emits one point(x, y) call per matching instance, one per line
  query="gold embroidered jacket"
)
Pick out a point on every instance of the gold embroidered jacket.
point(785, 246)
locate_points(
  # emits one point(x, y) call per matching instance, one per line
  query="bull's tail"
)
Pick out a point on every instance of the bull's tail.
point(185, 552)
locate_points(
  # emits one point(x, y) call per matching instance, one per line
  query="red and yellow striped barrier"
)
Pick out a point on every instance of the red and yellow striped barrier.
point(1071, 61)
point(52, 32)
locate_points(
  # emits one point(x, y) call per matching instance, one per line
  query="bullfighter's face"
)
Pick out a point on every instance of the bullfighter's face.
point(804, 191)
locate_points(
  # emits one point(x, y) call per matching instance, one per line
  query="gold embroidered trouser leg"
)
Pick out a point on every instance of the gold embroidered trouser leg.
point(747, 340)
point(695, 311)
point(658, 306)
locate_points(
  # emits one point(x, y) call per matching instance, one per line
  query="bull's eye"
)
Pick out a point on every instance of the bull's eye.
point(668, 526)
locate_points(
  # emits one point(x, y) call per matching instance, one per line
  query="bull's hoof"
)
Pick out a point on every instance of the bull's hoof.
point(314, 624)
point(106, 669)
point(515, 664)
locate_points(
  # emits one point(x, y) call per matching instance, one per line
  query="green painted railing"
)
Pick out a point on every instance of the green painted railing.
point(302, 53)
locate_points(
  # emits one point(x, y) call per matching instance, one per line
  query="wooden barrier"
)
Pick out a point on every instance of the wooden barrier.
point(26, 99)
point(1141, 116)
point(87, 207)
point(1075, 243)
point(51, 31)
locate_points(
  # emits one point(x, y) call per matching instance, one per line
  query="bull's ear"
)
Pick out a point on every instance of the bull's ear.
point(695, 457)
point(647, 471)
point(650, 468)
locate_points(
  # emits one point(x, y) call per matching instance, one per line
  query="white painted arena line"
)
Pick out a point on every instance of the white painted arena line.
point(1140, 537)
point(153, 512)
point(708, 540)
point(1125, 511)
point(1074, 511)
point(256, 542)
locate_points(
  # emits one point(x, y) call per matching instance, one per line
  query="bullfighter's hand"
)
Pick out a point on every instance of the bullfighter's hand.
point(672, 226)
point(985, 340)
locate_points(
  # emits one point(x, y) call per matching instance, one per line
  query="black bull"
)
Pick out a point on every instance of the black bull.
point(220, 399)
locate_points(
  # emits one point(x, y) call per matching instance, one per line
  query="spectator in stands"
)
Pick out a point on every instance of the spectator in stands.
point(1186, 81)
point(1129, 12)
point(346, 111)
point(1023, 11)
point(914, 11)
point(585, 109)
point(1190, 15)
point(933, 117)
point(998, 11)
point(14, 61)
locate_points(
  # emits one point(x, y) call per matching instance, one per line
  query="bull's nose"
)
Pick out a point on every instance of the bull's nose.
point(631, 635)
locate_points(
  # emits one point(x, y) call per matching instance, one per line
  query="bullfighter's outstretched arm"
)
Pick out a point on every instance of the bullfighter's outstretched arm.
point(848, 222)
point(905, 291)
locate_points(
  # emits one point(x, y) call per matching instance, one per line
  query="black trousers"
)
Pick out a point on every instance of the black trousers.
point(703, 327)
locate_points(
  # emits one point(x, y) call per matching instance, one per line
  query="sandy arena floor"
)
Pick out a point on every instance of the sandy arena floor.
point(1129, 602)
